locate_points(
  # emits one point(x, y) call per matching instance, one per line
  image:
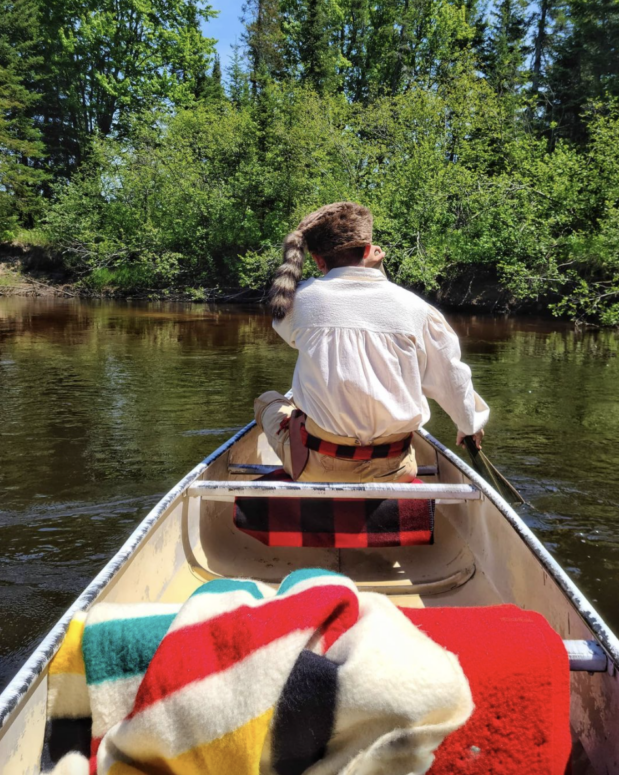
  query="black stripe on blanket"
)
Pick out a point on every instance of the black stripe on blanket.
point(62, 736)
point(305, 715)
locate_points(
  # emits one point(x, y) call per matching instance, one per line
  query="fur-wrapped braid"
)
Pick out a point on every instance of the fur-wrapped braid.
point(287, 275)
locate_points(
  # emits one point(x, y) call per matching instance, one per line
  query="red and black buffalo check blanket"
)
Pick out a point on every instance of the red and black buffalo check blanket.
point(335, 523)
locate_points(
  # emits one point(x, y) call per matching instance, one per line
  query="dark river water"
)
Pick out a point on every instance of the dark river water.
point(104, 406)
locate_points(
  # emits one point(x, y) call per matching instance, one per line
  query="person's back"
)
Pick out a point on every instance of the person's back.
point(370, 353)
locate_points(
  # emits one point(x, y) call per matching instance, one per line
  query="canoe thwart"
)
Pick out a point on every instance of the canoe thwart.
point(251, 469)
point(228, 491)
point(586, 656)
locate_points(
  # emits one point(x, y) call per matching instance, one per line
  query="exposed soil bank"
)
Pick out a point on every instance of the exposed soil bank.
point(478, 289)
point(33, 271)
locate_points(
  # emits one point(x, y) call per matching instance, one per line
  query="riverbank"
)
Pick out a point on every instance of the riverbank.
point(33, 271)
point(16, 282)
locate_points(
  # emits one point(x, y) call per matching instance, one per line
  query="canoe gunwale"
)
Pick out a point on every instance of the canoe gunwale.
point(36, 663)
point(608, 641)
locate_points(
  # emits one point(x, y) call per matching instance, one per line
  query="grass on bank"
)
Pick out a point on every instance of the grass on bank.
point(10, 275)
point(126, 278)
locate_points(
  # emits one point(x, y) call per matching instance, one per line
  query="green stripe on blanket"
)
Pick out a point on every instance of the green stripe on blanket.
point(121, 648)
point(305, 574)
point(220, 586)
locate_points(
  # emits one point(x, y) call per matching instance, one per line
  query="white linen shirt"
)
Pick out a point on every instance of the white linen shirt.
point(370, 353)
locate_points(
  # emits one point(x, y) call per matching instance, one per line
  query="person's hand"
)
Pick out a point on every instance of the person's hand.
point(374, 258)
point(477, 436)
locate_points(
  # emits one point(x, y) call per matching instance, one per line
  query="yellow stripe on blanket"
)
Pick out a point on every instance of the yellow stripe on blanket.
point(120, 768)
point(69, 658)
point(237, 752)
point(67, 694)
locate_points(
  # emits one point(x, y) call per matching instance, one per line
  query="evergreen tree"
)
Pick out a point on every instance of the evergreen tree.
point(21, 149)
point(210, 87)
point(585, 69)
point(238, 79)
point(264, 40)
point(506, 48)
point(317, 33)
point(547, 26)
point(354, 35)
point(541, 21)
point(475, 18)
point(317, 49)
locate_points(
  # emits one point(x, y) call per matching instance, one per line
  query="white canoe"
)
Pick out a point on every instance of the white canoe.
point(484, 555)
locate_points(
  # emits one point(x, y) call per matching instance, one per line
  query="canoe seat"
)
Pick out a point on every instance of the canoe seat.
point(215, 547)
point(227, 491)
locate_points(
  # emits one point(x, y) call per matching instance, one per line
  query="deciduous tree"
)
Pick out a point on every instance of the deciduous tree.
point(109, 59)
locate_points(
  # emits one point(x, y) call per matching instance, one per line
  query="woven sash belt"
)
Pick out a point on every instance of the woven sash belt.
point(301, 442)
point(349, 452)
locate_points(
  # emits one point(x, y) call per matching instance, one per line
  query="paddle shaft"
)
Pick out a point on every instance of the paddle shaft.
point(490, 473)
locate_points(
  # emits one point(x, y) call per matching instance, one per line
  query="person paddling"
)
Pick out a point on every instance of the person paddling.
point(370, 355)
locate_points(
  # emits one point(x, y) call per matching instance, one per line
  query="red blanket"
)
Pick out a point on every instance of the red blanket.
point(518, 671)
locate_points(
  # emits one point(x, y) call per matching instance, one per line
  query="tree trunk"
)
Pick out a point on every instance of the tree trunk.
point(539, 45)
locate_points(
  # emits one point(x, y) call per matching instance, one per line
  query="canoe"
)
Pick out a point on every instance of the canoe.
point(484, 555)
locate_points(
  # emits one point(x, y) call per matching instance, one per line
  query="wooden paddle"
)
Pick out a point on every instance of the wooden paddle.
point(491, 474)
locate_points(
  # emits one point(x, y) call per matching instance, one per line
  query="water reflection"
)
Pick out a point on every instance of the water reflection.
point(104, 406)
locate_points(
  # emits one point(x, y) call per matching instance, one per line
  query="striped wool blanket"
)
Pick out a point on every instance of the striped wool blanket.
point(245, 680)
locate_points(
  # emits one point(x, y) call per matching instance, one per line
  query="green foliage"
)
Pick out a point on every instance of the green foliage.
point(484, 139)
point(33, 238)
point(257, 268)
point(188, 195)
point(124, 278)
point(206, 197)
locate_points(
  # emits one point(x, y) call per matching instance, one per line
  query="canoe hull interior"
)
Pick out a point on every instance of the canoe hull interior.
point(483, 555)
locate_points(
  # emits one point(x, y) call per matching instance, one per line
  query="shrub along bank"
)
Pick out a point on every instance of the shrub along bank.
point(485, 138)
point(203, 198)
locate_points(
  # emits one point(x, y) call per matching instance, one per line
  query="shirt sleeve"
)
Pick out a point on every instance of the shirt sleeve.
point(284, 329)
point(447, 380)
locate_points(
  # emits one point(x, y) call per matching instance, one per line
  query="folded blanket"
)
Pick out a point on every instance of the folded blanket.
point(244, 680)
point(335, 522)
point(518, 670)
